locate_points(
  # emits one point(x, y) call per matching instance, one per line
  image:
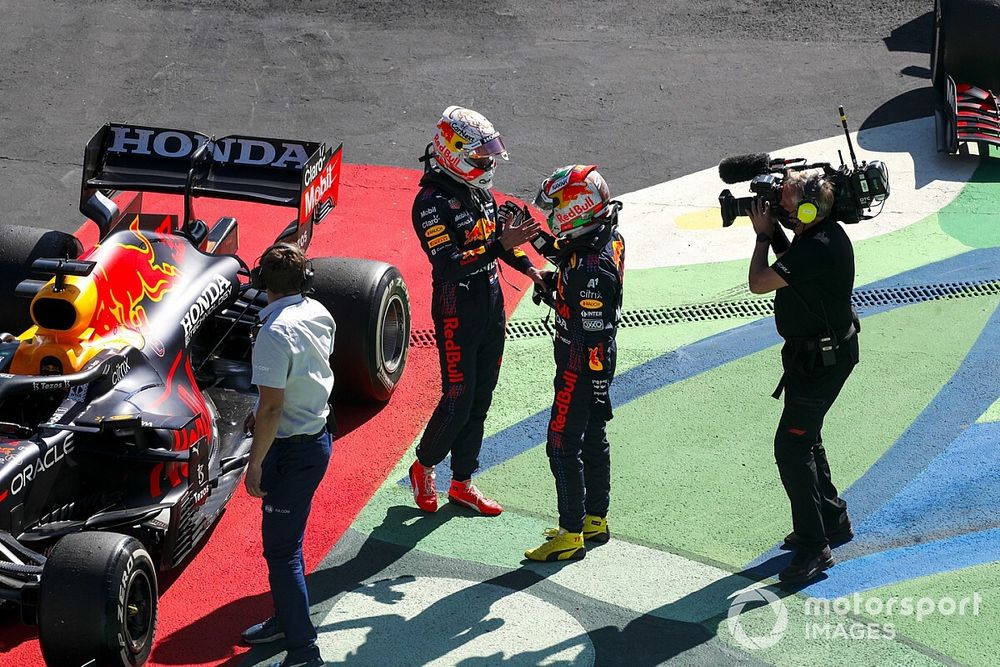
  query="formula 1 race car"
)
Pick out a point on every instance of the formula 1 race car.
point(126, 384)
point(965, 69)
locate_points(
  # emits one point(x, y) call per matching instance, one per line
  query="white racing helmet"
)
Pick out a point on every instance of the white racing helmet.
point(466, 145)
point(576, 198)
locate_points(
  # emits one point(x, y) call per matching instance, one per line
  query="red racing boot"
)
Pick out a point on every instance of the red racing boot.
point(422, 481)
point(466, 494)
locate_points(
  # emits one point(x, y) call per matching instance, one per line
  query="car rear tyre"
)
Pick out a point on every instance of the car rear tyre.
point(97, 601)
point(964, 44)
point(371, 307)
point(19, 247)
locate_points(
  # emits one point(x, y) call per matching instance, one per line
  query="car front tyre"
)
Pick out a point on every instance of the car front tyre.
point(97, 602)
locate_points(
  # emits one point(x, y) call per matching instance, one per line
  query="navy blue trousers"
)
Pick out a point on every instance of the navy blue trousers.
point(577, 445)
point(469, 324)
point(289, 476)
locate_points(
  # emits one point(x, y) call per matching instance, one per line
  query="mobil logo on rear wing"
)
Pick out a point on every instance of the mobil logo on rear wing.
point(320, 184)
point(283, 172)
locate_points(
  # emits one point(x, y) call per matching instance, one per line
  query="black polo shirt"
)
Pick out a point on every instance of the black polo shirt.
point(819, 269)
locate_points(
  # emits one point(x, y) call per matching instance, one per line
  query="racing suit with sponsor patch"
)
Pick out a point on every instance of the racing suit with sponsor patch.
point(587, 309)
point(457, 229)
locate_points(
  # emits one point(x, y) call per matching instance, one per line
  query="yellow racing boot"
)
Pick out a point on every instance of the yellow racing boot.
point(595, 529)
point(563, 545)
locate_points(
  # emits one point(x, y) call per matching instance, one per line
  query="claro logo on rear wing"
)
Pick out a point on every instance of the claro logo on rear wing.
point(300, 174)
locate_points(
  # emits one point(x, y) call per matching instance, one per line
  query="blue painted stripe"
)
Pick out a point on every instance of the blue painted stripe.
point(958, 492)
point(889, 567)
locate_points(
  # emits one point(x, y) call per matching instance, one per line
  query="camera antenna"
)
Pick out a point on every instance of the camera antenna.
point(850, 146)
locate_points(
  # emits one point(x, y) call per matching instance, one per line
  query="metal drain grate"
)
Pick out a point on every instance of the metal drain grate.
point(746, 308)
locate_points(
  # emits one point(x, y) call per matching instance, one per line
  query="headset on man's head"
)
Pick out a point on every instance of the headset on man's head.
point(308, 273)
point(808, 209)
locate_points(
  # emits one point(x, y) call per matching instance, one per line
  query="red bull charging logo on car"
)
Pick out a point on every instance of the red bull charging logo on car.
point(140, 277)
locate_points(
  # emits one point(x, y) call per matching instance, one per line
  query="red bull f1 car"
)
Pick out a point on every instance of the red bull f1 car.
point(965, 69)
point(125, 382)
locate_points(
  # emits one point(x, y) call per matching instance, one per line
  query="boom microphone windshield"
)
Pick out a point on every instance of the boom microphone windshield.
point(741, 168)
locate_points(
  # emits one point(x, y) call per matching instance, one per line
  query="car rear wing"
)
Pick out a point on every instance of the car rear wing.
point(968, 114)
point(300, 174)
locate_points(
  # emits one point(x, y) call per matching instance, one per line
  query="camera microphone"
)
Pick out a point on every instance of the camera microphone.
point(741, 168)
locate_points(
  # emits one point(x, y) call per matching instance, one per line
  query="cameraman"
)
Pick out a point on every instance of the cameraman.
point(812, 278)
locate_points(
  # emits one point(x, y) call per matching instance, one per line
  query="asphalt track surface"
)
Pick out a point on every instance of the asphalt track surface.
point(650, 91)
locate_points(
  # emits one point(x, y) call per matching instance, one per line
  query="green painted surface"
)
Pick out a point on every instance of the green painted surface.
point(452, 531)
point(693, 469)
point(974, 217)
point(961, 636)
point(991, 415)
point(690, 461)
point(816, 640)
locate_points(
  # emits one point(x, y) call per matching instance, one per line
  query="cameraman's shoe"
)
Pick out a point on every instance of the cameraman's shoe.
point(467, 495)
point(422, 481)
point(806, 565)
point(563, 545)
point(840, 535)
point(595, 529)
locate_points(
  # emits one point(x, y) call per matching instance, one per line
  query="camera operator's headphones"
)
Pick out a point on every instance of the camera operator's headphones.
point(808, 208)
point(257, 273)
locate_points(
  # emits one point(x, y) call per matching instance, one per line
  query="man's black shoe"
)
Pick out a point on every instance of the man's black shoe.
point(263, 633)
point(312, 662)
point(806, 565)
point(842, 535)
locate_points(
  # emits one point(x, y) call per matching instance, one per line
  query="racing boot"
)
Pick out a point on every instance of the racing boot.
point(595, 529)
point(466, 494)
point(422, 482)
point(563, 545)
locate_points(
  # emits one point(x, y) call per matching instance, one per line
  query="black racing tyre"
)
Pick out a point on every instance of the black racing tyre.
point(937, 50)
point(371, 307)
point(964, 44)
point(97, 601)
point(19, 247)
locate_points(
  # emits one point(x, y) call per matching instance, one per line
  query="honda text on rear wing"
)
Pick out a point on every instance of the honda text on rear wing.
point(300, 174)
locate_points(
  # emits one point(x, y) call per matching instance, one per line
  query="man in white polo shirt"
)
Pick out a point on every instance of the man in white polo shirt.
point(291, 446)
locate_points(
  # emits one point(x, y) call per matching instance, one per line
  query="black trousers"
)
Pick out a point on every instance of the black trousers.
point(810, 391)
point(577, 444)
point(469, 323)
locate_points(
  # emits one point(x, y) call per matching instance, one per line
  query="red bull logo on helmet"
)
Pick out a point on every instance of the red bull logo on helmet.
point(570, 213)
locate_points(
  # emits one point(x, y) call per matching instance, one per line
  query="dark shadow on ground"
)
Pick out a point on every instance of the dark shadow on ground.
point(914, 35)
point(912, 104)
point(402, 528)
point(456, 619)
point(353, 415)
